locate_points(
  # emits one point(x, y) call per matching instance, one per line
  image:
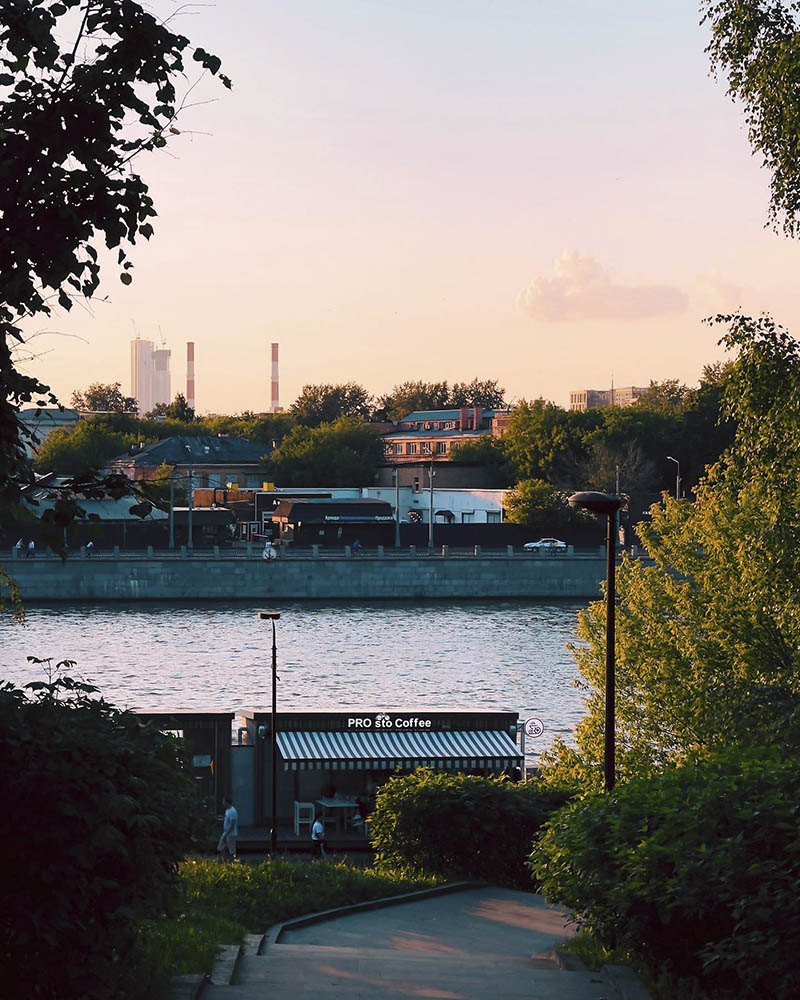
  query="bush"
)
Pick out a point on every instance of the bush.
point(97, 813)
point(219, 904)
point(456, 825)
point(697, 870)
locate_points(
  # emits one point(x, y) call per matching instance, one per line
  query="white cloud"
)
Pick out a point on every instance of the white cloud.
point(581, 288)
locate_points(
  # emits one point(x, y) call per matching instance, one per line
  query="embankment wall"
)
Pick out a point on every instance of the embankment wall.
point(208, 577)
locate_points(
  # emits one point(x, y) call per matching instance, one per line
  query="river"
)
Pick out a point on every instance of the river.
point(500, 655)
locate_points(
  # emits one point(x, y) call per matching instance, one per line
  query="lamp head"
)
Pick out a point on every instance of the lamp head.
point(274, 615)
point(597, 503)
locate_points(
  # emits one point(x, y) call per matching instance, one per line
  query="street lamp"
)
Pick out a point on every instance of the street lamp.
point(431, 474)
point(396, 474)
point(190, 542)
point(608, 504)
point(273, 616)
point(677, 477)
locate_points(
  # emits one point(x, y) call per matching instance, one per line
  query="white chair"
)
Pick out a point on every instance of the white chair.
point(303, 813)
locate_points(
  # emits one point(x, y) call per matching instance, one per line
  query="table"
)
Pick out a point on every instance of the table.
point(336, 804)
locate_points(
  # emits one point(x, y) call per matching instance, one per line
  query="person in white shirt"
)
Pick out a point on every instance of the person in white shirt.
point(230, 831)
point(317, 839)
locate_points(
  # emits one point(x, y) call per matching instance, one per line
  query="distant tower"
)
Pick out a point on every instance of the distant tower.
point(190, 374)
point(274, 405)
point(142, 374)
point(162, 382)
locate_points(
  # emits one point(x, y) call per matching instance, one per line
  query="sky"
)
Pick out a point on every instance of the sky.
point(550, 195)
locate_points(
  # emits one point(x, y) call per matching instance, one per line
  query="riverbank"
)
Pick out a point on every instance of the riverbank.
point(374, 576)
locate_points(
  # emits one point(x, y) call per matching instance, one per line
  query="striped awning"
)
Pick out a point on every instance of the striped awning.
point(388, 750)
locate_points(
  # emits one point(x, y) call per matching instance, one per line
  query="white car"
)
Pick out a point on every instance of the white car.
point(546, 545)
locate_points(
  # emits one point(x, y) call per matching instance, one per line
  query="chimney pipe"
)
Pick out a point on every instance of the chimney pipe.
point(274, 405)
point(190, 374)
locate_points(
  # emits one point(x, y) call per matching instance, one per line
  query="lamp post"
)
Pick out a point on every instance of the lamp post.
point(190, 543)
point(677, 477)
point(431, 474)
point(273, 616)
point(608, 504)
point(396, 472)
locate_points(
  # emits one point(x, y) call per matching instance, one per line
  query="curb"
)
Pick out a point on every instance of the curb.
point(186, 987)
point(273, 935)
point(626, 982)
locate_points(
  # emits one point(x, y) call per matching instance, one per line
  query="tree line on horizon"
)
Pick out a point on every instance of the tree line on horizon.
point(331, 436)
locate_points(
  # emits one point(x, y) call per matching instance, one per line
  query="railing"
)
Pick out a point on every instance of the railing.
point(319, 552)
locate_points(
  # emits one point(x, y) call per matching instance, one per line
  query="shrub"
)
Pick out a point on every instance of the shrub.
point(456, 825)
point(698, 870)
point(97, 813)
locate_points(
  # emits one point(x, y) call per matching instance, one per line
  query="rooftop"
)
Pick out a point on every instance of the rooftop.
point(204, 450)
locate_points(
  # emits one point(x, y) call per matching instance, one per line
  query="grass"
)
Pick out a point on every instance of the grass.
point(219, 903)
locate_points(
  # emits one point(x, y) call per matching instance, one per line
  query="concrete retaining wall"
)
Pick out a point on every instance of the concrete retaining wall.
point(208, 577)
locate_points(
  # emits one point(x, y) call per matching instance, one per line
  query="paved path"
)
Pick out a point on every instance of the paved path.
point(479, 944)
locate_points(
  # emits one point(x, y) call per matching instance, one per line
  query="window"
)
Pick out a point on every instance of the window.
point(467, 516)
point(416, 484)
point(411, 447)
point(492, 516)
point(441, 447)
point(426, 447)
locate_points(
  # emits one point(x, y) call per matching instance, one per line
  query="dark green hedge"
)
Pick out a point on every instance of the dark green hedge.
point(459, 826)
point(97, 811)
point(698, 870)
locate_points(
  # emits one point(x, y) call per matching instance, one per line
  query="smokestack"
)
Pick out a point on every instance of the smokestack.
point(274, 405)
point(190, 374)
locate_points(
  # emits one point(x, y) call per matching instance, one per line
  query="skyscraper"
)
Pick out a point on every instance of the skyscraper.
point(150, 375)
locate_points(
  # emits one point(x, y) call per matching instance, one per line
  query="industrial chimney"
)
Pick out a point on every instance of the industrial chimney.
point(190, 374)
point(274, 404)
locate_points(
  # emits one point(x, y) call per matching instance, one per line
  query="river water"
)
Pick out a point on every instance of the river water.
point(498, 655)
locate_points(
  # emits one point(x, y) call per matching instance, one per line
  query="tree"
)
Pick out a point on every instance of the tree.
point(667, 396)
point(411, 396)
point(756, 43)
point(179, 409)
point(110, 810)
point(488, 394)
point(74, 116)
point(708, 637)
point(542, 436)
point(100, 397)
point(531, 498)
point(89, 445)
point(346, 452)
point(490, 453)
point(321, 404)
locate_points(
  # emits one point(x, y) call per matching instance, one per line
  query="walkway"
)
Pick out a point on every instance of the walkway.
point(477, 944)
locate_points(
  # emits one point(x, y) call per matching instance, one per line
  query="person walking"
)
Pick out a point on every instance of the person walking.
point(318, 844)
point(89, 548)
point(230, 831)
point(356, 547)
point(31, 549)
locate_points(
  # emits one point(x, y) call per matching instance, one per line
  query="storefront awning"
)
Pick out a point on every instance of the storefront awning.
point(387, 750)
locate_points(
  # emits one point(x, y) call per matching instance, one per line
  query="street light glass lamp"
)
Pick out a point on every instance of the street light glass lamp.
point(607, 504)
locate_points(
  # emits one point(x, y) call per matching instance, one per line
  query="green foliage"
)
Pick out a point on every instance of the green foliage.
point(85, 86)
point(104, 397)
point(708, 637)
point(322, 404)
point(487, 393)
point(412, 396)
point(219, 904)
point(90, 444)
point(178, 409)
point(489, 452)
point(532, 498)
point(99, 810)
point(698, 870)
point(756, 44)
point(459, 826)
point(346, 452)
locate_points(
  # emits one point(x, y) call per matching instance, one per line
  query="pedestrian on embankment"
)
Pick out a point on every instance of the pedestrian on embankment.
point(226, 848)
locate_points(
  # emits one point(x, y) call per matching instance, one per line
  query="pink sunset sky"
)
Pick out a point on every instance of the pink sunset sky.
point(545, 194)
